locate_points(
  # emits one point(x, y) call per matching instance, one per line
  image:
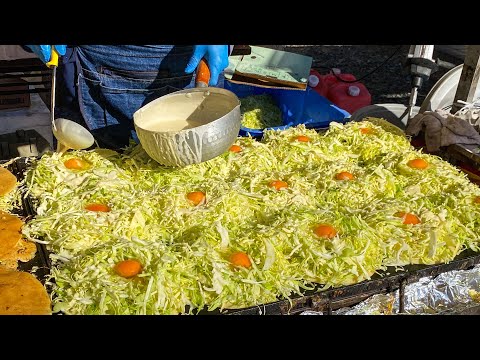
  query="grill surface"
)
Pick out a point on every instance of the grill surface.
point(315, 300)
point(384, 282)
point(40, 260)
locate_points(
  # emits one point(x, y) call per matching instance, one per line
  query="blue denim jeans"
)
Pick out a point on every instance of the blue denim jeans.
point(114, 81)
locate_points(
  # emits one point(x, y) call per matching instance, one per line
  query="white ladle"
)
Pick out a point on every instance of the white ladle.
point(69, 134)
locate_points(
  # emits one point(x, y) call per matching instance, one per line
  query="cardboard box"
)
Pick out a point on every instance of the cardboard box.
point(270, 68)
point(14, 101)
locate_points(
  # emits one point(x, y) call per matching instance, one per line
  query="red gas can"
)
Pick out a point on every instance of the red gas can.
point(349, 96)
point(322, 83)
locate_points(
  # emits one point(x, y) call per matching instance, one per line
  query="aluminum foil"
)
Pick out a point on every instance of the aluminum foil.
point(449, 292)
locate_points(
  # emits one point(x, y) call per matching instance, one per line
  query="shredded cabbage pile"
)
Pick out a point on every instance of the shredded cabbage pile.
point(11, 200)
point(260, 112)
point(185, 249)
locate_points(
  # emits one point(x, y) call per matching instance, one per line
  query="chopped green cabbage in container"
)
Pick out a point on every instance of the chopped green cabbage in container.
point(185, 249)
point(260, 112)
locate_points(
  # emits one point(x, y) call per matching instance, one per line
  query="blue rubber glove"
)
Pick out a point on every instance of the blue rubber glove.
point(44, 52)
point(216, 56)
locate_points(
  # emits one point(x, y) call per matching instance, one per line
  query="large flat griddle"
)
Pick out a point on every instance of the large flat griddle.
point(324, 300)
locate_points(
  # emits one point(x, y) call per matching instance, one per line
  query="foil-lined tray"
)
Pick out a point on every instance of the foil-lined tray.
point(450, 292)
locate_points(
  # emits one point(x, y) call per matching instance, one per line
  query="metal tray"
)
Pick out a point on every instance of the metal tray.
point(40, 261)
point(383, 282)
point(315, 300)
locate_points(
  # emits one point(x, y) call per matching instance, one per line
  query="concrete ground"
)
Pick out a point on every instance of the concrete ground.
point(37, 118)
point(381, 68)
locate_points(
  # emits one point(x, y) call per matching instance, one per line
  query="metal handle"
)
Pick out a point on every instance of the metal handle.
point(53, 64)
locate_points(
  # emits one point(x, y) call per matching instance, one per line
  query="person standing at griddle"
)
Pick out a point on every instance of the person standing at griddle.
point(101, 86)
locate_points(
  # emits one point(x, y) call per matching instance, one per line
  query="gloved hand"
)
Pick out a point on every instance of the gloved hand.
point(216, 56)
point(44, 52)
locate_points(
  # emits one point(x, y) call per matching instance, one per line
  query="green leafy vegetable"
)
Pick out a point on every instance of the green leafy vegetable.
point(260, 112)
point(185, 249)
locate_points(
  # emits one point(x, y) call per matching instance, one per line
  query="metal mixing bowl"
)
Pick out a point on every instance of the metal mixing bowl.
point(189, 126)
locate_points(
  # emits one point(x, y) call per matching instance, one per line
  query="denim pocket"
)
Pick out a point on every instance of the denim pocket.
point(107, 118)
point(116, 81)
point(108, 101)
point(122, 96)
point(141, 82)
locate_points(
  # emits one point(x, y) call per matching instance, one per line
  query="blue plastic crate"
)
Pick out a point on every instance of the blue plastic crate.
point(297, 107)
